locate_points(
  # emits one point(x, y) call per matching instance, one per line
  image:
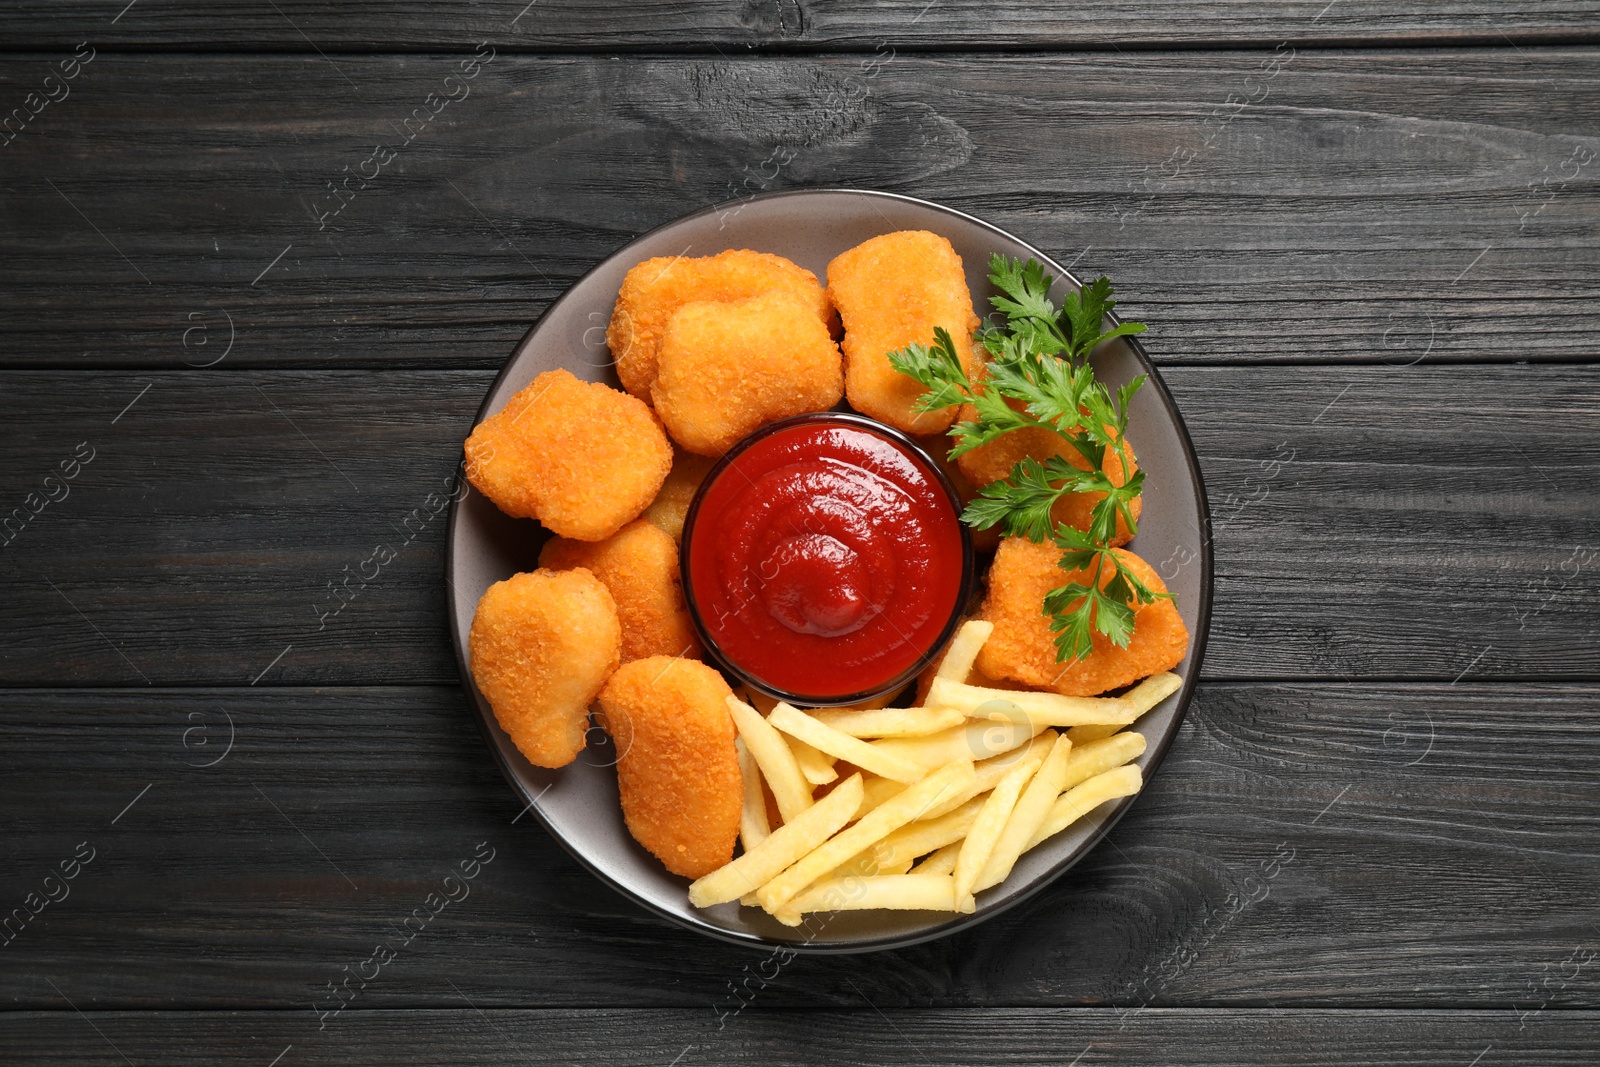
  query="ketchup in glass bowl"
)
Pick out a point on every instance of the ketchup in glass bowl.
point(825, 561)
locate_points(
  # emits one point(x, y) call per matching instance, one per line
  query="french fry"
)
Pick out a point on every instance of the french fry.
point(1030, 811)
point(878, 790)
point(964, 649)
point(900, 892)
point(943, 861)
point(1082, 735)
point(989, 772)
point(1152, 691)
point(924, 835)
point(868, 830)
point(1041, 709)
point(798, 724)
point(1075, 803)
point(1098, 757)
point(977, 740)
point(772, 754)
point(753, 825)
point(869, 863)
point(986, 829)
point(896, 853)
point(1140, 699)
point(788, 843)
point(987, 775)
point(889, 722)
point(815, 766)
point(919, 792)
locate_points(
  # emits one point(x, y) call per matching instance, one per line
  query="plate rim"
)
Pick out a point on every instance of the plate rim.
point(956, 923)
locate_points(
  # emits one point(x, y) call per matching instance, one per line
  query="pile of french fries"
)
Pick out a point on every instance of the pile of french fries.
point(942, 800)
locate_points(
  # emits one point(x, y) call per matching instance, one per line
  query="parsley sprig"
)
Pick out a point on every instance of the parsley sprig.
point(1039, 377)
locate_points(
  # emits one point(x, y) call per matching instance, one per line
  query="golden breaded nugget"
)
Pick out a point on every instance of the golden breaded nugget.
point(541, 646)
point(993, 461)
point(656, 288)
point(1023, 649)
point(639, 565)
point(671, 506)
point(892, 291)
point(677, 767)
point(581, 457)
point(727, 369)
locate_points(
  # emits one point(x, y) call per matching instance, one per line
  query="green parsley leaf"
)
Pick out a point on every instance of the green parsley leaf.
point(1078, 549)
point(1039, 361)
point(1084, 312)
point(1021, 502)
point(1113, 617)
point(1024, 289)
point(1070, 608)
point(939, 368)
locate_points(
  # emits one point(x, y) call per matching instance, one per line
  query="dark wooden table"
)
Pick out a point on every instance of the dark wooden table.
point(1366, 238)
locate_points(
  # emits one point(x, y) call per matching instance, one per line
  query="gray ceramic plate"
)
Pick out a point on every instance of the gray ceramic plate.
point(578, 803)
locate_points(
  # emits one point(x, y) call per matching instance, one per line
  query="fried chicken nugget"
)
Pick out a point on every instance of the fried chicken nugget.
point(671, 506)
point(678, 769)
point(639, 565)
point(1023, 649)
point(656, 288)
point(581, 457)
point(993, 461)
point(727, 369)
point(541, 646)
point(892, 291)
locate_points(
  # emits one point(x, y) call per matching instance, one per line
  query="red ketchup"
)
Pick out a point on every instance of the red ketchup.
point(825, 559)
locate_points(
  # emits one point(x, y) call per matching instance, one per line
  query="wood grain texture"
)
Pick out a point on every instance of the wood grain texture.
point(1418, 522)
point(1360, 206)
point(303, 26)
point(622, 1038)
point(1320, 846)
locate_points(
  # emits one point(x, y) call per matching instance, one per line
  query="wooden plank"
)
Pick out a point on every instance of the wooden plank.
point(1380, 207)
point(302, 26)
point(1410, 522)
point(622, 1038)
point(1363, 845)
